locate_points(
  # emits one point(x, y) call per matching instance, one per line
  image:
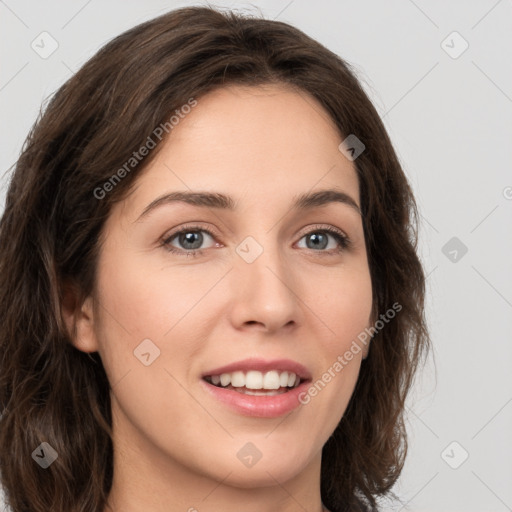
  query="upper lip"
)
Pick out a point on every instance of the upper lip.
point(262, 365)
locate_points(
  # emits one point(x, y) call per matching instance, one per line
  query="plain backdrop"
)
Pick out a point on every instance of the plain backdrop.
point(440, 75)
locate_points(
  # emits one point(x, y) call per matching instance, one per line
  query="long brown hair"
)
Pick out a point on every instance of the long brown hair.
point(50, 391)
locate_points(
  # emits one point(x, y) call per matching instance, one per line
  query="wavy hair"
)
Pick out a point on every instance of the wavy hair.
point(49, 243)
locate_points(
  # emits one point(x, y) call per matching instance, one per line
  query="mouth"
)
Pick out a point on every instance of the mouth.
point(250, 397)
point(256, 383)
point(258, 387)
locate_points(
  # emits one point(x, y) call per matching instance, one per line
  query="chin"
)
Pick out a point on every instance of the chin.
point(271, 467)
point(264, 476)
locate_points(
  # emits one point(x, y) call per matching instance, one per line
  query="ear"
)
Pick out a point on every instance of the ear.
point(78, 316)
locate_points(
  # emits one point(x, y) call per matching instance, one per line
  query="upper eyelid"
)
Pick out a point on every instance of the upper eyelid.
point(192, 227)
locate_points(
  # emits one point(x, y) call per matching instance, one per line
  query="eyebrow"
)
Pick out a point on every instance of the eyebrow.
point(221, 201)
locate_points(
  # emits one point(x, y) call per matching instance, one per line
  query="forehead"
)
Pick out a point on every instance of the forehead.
point(260, 145)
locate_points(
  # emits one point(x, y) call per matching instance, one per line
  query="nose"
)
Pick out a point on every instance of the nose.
point(265, 292)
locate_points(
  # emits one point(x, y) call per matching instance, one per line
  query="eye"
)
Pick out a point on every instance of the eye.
point(318, 240)
point(190, 238)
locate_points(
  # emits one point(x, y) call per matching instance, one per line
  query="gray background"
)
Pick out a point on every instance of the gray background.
point(450, 121)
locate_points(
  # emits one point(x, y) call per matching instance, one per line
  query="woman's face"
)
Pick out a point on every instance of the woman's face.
point(267, 282)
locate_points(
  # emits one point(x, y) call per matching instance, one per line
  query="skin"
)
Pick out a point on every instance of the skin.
point(175, 447)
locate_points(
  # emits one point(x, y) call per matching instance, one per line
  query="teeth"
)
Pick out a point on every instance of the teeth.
point(271, 380)
point(237, 379)
point(256, 380)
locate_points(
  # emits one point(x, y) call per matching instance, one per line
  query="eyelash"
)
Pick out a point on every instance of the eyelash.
point(344, 242)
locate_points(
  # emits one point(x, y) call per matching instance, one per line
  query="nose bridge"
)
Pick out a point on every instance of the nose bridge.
point(263, 283)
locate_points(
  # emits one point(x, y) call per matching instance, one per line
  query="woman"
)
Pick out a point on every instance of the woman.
point(267, 363)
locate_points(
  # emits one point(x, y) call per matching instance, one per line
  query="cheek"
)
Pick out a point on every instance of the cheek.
point(344, 310)
point(144, 309)
point(341, 354)
point(147, 300)
point(343, 303)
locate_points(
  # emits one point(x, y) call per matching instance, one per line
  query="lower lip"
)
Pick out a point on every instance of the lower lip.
point(260, 406)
